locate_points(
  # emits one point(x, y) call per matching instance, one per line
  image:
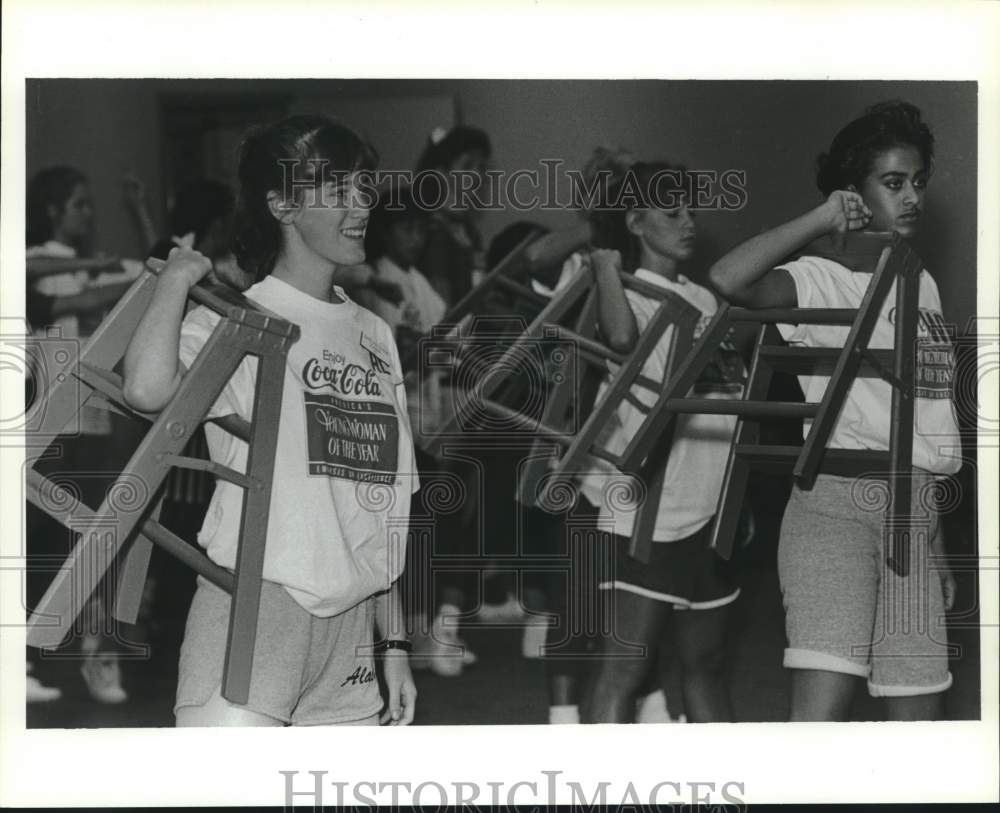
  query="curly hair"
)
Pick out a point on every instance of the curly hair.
point(316, 148)
point(882, 126)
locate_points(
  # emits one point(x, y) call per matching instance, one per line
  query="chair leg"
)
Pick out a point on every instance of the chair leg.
point(253, 530)
point(734, 483)
point(133, 575)
point(901, 433)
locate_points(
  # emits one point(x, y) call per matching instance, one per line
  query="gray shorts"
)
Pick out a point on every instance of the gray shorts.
point(845, 610)
point(307, 670)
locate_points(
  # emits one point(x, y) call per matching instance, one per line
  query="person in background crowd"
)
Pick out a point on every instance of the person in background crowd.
point(70, 291)
point(841, 624)
point(685, 583)
point(453, 260)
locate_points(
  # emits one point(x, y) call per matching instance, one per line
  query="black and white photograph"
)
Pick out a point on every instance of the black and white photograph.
point(625, 434)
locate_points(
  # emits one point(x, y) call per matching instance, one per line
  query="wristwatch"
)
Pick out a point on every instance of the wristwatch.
point(393, 643)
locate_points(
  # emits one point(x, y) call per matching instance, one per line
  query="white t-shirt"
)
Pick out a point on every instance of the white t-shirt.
point(344, 468)
point(572, 265)
point(76, 282)
point(422, 307)
point(92, 420)
point(864, 422)
point(700, 448)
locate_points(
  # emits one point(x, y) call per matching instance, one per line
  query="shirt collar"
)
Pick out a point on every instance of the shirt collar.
point(658, 279)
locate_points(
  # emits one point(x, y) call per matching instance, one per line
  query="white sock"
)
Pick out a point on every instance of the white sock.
point(533, 638)
point(652, 708)
point(564, 715)
point(447, 611)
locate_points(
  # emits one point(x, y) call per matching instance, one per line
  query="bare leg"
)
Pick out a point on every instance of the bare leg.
point(626, 657)
point(917, 707)
point(562, 690)
point(220, 712)
point(700, 637)
point(819, 695)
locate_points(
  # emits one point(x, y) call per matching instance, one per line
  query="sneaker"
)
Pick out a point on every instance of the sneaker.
point(103, 678)
point(468, 656)
point(451, 612)
point(38, 692)
point(510, 612)
point(533, 638)
point(564, 715)
point(442, 652)
point(652, 708)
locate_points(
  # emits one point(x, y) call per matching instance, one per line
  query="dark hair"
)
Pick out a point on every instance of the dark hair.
point(305, 144)
point(49, 187)
point(882, 126)
point(509, 238)
point(198, 205)
point(644, 185)
point(395, 205)
point(431, 184)
point(458, 140)
point(604, 162)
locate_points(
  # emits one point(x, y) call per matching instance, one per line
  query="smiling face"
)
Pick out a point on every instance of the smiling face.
point(894, 190)
point(331, 221)
point(666, 233)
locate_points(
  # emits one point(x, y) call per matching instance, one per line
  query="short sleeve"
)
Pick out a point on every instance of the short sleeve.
point(402, 408)
point(929, 296)
point(808, 294)
point(236, 397)
point(388, 312)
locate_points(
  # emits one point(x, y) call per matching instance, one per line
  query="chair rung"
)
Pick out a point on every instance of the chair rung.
point(522, 290)
point(228, 302)
point(523, 421)
point(235, 425)
point(843, 462)
point(813, 360)
point(796, 316)
point(746, 409)
point(538, 428)
point(640, 380)
point(200, 464)
point(64, 507)
point(193, 557)
point(594, 347)
point(109, 385)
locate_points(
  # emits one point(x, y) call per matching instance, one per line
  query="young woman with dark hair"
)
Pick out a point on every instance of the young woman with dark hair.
point(453, 258)
point(332, 557)
point(848, 617)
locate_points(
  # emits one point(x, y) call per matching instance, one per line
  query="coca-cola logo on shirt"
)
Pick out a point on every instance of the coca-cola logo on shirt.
point(344, 378)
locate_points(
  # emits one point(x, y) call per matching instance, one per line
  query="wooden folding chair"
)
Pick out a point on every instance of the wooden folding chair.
point(892, 259)
point(560, 452)
point(125, 520)
point(501, 278)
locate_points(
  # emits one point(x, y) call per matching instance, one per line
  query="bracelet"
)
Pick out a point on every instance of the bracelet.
point(393, 643)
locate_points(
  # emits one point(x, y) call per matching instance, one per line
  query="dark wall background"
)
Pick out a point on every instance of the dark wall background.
point(773, 130)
